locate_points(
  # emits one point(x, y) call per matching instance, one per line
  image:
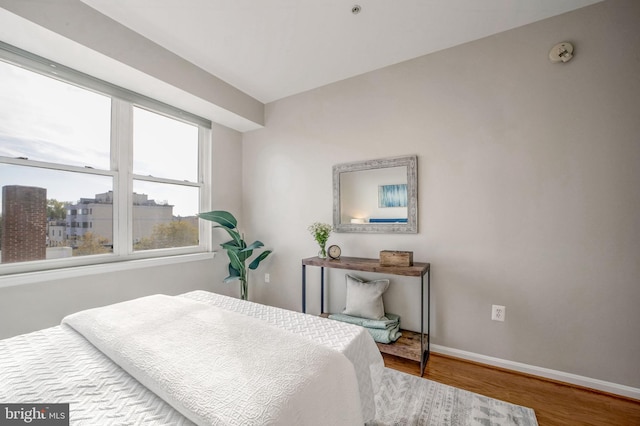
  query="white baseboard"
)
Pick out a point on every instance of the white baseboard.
point(561, 376)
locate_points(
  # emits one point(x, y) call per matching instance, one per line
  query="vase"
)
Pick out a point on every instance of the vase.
point(322, 254)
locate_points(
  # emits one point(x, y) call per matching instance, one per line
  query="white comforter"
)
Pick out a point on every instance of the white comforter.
point(352, 341)
point(219, 367)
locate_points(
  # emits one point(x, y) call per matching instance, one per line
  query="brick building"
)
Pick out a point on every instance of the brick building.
point(24, 223)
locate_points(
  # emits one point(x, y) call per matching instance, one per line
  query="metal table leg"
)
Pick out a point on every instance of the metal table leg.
point(304, 288)
point(425, 351)
point(428, 313)
point(322, 289)
point(422, 362)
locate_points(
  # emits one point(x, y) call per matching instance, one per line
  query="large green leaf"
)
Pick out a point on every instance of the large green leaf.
point(243, 255)
point(235, 235)
point(237, 255)
point(254, 245)
point(234, 274)
point(222, 217)
point(231, 245)
point(235, 262)
point(257, 260)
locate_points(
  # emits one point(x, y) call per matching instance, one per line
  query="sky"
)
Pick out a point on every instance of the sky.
point(47, 120)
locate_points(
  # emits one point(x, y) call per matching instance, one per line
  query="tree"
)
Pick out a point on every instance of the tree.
point(92, 244)
point(167, 235)
point(56, 210)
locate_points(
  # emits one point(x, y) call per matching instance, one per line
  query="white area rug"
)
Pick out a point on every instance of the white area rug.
point(411, 400)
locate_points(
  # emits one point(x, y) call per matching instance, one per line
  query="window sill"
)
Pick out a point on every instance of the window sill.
point(81, 271)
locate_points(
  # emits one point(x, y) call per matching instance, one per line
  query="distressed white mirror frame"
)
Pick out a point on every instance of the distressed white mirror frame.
point(411, 227)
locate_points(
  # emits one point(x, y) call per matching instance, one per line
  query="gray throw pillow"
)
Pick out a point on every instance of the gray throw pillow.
point(364, 298)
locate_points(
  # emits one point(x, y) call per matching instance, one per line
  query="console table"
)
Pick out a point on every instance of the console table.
point(411, 345)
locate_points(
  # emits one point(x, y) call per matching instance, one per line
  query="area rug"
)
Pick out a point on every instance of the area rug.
point(409, 400)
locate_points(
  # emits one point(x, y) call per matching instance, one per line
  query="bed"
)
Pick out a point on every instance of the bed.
point(196, 358)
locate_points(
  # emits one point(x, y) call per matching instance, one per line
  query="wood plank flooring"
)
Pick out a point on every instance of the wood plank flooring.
point(554, 403)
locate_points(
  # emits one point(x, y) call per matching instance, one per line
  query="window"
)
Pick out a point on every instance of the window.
point(92, 173)
point(169, 219)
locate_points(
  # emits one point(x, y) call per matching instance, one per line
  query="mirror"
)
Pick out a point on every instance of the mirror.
point(376, 196)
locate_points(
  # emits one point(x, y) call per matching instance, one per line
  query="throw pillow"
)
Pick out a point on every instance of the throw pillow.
point(364, 299)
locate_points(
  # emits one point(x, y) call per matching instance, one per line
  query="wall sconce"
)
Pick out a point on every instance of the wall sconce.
point(561, 52)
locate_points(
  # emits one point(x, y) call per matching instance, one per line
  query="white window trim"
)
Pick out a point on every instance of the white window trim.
point(123, 102)
point(99, 268)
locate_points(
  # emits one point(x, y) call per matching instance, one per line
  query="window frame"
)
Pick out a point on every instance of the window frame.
point(120, 170)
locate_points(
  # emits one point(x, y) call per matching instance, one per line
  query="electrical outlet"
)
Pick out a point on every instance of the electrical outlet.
point(498, 312)
point(267, 278)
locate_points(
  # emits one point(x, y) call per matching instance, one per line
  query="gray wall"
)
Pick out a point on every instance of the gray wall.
point(528, 189)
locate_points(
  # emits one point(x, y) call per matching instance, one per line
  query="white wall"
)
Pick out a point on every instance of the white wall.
point(528, 189)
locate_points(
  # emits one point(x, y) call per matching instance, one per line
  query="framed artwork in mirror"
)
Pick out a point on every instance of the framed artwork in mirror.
point(376, 196)
point(392, 195)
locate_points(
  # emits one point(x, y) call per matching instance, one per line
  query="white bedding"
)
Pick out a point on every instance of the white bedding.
point(219, 367)
point(59, 365)
point(352, 341)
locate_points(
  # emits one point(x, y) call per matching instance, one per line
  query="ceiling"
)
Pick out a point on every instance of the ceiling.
point(277, 48)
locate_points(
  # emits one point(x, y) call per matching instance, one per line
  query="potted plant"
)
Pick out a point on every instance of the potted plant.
point(321, 232)
point(237, 249)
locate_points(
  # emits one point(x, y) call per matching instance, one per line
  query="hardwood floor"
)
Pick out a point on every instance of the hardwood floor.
point(554, 403)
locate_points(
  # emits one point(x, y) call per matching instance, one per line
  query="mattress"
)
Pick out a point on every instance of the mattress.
point(57, 365)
